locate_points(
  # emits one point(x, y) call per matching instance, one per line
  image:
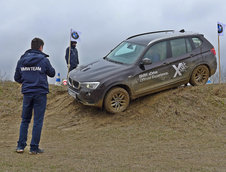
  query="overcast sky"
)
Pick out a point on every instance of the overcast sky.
point(102, 23)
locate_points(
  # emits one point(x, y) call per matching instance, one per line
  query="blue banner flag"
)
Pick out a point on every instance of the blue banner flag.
point(75, 35)
point(220, 28)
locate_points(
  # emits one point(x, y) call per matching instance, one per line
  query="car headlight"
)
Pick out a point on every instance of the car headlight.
point(89, 85)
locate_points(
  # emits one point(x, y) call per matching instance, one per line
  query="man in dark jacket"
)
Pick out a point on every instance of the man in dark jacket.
point(32, 70)
point(73, 56)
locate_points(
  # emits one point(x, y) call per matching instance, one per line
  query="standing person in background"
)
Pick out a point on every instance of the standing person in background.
point(73, 55)
point(32, 70)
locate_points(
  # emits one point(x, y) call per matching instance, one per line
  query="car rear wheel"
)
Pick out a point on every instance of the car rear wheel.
point(199, 75)
point(116, 100)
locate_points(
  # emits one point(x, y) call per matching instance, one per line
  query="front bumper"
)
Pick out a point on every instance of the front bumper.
point(87, 96)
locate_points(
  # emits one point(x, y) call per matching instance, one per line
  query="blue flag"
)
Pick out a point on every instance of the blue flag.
point(75, 35)
point(220, 28)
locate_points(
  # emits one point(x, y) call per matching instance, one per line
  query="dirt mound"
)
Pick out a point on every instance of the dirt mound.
point(180, 129)
point(176, 106)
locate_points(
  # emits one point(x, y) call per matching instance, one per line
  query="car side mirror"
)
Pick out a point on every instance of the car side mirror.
point(146, 61)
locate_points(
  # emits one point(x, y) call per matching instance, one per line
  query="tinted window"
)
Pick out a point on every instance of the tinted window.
point(157, 52)
point(197, 42)
point(178, 47)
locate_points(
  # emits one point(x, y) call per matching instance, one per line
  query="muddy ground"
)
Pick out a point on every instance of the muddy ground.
point(182, 129)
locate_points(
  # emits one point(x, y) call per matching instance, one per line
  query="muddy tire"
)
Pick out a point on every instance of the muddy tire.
point(200, 75)
point(116, 100)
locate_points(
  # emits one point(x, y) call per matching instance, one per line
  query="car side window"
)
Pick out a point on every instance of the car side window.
point(157, 52)
point(188, 44)
point(178, 47)
point(197, 42)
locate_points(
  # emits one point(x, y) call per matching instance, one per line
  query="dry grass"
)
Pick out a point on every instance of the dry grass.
point(176, 130)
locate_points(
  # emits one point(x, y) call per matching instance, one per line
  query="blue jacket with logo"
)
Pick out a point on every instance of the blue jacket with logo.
point(73, 58)
point(32, 71)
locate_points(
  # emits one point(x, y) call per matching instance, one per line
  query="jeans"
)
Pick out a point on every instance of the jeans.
point(38, 103)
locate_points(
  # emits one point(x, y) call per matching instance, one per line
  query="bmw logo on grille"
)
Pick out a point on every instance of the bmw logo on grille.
point(74, 35)
point(220, 28)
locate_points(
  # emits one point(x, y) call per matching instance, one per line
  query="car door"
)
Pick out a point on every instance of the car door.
point(154, 75)
point(180, 60)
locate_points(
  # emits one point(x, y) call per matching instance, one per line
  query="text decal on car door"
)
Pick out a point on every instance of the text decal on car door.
point(152, 75)
point(181, 68)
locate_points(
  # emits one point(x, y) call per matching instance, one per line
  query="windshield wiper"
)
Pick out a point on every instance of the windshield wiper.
point(112, 61)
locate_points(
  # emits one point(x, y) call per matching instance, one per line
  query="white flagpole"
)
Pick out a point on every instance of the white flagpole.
point(219, 59)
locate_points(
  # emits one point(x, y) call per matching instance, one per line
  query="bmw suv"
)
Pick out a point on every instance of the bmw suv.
point(143, 64)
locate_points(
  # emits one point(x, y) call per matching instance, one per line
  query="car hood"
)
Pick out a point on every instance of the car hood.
point(97, 71)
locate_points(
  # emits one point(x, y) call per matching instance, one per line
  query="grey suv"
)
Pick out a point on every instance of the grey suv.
point(143, 64)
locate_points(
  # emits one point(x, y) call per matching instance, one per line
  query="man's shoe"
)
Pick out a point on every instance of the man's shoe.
point(19, 150)
point(34, 152)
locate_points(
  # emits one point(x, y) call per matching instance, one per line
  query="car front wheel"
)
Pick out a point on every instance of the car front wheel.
point(116, 100)
point(199, 75)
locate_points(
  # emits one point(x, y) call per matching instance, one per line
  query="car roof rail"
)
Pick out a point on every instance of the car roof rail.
point(150, 33)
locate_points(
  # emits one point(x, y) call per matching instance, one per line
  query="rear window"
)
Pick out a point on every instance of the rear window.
point(197, 42)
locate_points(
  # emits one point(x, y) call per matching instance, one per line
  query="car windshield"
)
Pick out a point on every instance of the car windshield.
point(126, 53)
